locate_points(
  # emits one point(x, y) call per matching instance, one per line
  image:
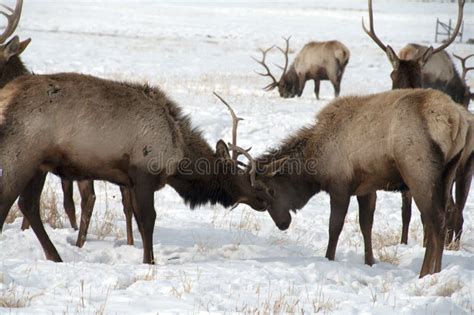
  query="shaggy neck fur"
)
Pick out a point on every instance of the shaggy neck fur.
point(12, 69)
point(195, 187)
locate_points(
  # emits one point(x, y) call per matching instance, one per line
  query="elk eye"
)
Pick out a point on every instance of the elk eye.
point(271, 192)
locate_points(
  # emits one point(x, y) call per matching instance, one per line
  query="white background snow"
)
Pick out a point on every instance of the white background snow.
point(213, 260)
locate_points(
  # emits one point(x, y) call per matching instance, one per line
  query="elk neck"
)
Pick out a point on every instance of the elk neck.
point(12, 69)
point(198, 179)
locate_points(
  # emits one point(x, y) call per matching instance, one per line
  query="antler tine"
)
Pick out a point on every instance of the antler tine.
point(456, 29)
point(285, 53)
point(465, 69)
point(235, 123)
point(371, 33)
point(264, 65)
point(253, 164)
point(12, 20)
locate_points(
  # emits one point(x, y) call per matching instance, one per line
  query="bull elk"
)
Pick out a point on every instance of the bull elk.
point(409, 74)
point(85, 128)
point(316, 61)
point(11, 67)
point(465, 69)
point(342, 156)
point(439, 73)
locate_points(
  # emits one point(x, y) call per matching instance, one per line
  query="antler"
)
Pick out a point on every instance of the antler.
point(285, 52)
point(12, 20)
point(456, 29)
point(371, 33)
point(235, 123)
point(253, 164)
point(274, 83)
point(463, 63)
point(236, 150)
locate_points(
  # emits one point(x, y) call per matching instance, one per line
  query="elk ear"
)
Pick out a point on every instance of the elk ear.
point(14, 47)
point(393, 58)
point(275, 167)
point(222, 151)
point(423, 59)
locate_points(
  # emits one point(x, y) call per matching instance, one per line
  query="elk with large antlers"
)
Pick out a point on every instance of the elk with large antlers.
point(316, 61)
point(362, 144)
point(408, 74)
point(85, 128)
point(439, 73)
point(11, 68)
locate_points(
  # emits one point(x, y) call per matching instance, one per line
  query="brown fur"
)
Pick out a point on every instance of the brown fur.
point(85, 128)
point(316, 61)
point(416, 139)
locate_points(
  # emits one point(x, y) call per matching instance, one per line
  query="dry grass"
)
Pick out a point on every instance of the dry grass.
point(290, 302)
point(49, 209)
point(385, 243)
point(186, 284)
point(14, 214)
point(14, 298)
point(150, 275)
point(106, 224)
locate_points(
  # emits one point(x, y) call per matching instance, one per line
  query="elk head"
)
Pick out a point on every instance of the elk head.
point(14, 47)
point(467, 93)
point(288, 83)
point(244, 187)
point(407, 73)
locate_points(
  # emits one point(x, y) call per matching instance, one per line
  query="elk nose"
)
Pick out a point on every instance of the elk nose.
point(284, 226)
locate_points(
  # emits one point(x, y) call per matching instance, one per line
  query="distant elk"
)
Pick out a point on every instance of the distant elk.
point(12, 67)
point(409, 74)
point(439, 73)
point(465, 69)
point(361, 144)
point(316, 61)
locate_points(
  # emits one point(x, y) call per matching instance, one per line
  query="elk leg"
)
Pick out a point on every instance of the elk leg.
point(128, 211)
point(337, 87)
point(86, 189)
point(463, 185)
point(143, 207)
point(31, 198)
point(25, 225)
point(339, 205)
point(317, 84)
point(301, 84)
point(366, 219)
point(68, 202)
point(406, 215)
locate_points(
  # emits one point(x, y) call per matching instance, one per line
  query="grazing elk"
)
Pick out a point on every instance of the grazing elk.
point(12, 67)
point(408, 74)
point(316, 61)
point(85, 128)
point(343, 157)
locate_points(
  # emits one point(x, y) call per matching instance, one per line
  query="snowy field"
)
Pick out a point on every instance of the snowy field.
point(212, 259)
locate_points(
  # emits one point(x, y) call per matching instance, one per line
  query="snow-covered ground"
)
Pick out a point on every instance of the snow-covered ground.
point(211, 259)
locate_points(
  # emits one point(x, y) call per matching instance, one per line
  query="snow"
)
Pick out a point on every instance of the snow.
point(212, 259)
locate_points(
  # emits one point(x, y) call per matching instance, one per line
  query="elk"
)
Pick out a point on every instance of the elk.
point(439, 73)
point(408, 74)
point(85, 128)
point(468, 96)
point(316, 61)
point(339, 154)
point(11, 67)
